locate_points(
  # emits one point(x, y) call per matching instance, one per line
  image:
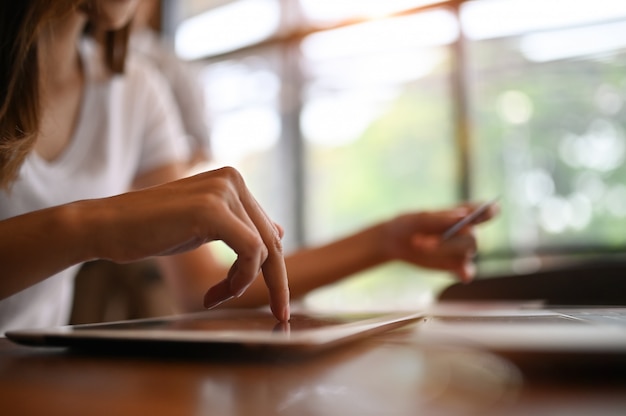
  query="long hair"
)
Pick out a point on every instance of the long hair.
point(21, 22)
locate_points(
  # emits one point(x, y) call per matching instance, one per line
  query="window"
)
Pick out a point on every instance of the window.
point(547, 89)
point(343, 113)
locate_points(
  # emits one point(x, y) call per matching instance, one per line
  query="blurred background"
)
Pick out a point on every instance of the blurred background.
point(340, 113)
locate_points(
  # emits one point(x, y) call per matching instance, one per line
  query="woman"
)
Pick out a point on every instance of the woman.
point(77, 135)
point(70, 132)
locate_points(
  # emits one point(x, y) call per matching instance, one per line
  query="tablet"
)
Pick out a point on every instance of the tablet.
point(242, 328)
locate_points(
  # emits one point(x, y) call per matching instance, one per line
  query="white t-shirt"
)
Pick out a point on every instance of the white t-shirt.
point(127, 125)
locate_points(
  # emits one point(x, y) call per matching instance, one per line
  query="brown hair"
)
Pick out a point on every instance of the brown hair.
point(20, 24)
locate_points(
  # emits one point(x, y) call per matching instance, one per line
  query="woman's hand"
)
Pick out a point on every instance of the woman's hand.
point(417, 238)
point(182, 215)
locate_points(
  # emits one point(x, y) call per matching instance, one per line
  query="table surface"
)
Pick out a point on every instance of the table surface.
point(388, 374)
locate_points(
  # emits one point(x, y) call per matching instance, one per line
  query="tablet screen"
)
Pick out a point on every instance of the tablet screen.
point(234, 321)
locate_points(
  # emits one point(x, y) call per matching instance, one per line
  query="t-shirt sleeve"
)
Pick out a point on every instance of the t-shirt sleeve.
point(164, 140)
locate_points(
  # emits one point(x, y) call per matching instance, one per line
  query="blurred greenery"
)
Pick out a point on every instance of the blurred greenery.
point(549, 138)
point(406, 160)
point(566, 102)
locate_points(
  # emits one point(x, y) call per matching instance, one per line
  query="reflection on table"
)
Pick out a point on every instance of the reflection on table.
point(391, 374)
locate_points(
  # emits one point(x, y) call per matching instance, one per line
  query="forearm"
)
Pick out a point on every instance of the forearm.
point(312, 268)
point(39, 244)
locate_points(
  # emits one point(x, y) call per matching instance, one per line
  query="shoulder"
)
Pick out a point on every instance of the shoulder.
point(140, 75)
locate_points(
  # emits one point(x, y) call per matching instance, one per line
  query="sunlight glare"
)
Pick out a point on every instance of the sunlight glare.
point(240, 133)
point(328, 11)
point(489, 19)
point(338, 120)
point(555, 214)
point(226, 28)
point(417, 31)
point(515, 107)
point(601, 148)
point(575, 42)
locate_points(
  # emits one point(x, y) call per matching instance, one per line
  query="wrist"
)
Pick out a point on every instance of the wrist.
point(378, 236)
point(392, 239)
point(79, 222)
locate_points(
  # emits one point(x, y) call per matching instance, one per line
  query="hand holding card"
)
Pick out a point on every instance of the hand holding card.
point(472, 216)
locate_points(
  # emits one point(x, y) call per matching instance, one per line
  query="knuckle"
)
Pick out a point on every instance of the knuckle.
point(261, 247)
point(264, 249)
point(258, 247)
point(230, 174)
point(264, 252)
point(276, 245)
point(228, 182)
point(253, 250)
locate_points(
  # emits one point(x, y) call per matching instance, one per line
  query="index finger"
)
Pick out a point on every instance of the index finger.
point(273, 268)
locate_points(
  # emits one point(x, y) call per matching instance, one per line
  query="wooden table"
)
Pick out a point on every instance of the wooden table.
point(389, 375)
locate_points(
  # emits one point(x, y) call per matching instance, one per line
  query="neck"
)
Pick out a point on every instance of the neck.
point(59, 61)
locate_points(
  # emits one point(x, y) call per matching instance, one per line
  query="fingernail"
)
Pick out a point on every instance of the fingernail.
point(237, 289)
point(240, 292)
point(239, 284)
point(470, 272)
point(217, 302)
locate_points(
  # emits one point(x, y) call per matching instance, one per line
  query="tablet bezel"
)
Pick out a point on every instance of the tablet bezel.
point(101, 335)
